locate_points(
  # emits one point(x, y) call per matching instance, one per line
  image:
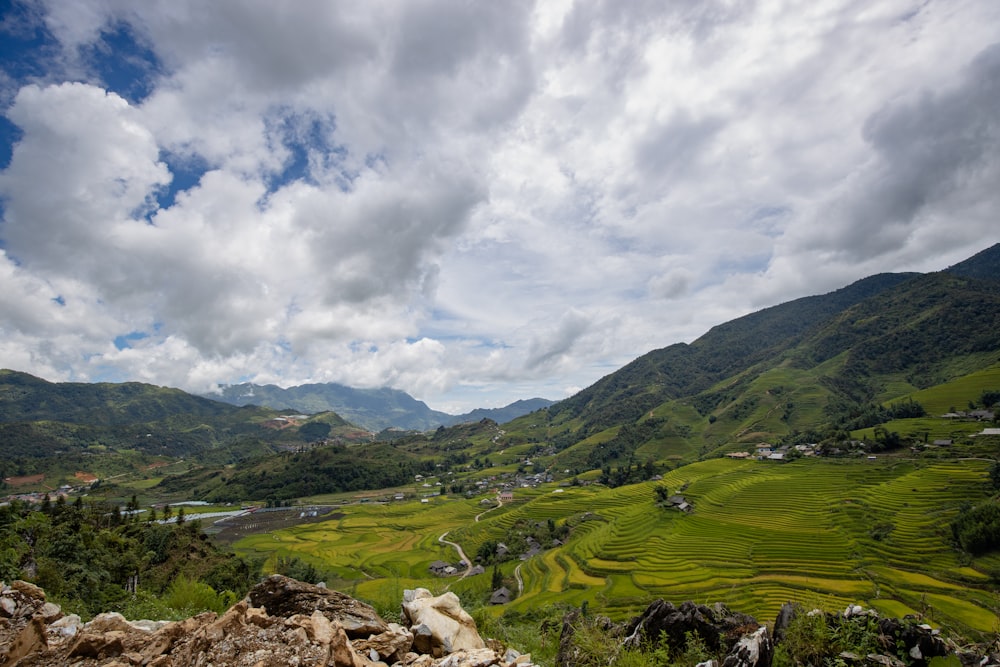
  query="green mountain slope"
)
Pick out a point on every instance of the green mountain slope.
point(816, 365)
point(26, 398)
point(59, 428)
point(685, 370)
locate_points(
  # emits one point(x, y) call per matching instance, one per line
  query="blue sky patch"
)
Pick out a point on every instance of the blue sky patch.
point(186, 170)
point(124, 65)
point(123, 342)
point(307, 137)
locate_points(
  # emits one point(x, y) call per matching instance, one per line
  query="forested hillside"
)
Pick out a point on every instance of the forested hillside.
point(59, 428)
point(811, 366)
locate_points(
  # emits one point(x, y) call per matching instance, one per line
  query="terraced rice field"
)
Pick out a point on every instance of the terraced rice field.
point(824, 533)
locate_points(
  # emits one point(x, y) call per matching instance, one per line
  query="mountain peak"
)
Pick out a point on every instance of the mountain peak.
point(984, 265)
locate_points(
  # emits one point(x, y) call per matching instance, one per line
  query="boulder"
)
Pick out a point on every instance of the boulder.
point(920, 642)
point(98, 645)
point(8, 607)
point(482, 657)
point(439, 624)
point(30, 639)
point(753, 650)
point(391, 646)
point(108, 622)
point(282, 596)
point(66, 627)
point(29, 590)
point(717, 626)
point(20, 600)
point(50, 612)
point(786, 615)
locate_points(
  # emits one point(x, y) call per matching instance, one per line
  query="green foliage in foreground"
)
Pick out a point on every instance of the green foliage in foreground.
point(90, 558)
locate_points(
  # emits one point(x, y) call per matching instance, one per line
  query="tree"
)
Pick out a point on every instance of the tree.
point(662, 494)
point(497, 580)
point(995, 474)
point(180, 515)
point(990, 397)
point(487, 551)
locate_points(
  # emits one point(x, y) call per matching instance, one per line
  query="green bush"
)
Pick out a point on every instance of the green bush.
point(807, 642)
point(977, 529)
point(189, 597)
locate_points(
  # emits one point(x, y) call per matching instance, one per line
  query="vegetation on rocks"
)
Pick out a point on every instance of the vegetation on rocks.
point(92, 558)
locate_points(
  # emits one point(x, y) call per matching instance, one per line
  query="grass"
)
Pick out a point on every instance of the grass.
point(828, 532)
point(956, 394)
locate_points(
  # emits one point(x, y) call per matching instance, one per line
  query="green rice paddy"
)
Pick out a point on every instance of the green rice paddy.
point(821, 532)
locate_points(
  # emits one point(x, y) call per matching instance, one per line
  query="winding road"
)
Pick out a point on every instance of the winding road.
point(468, 563)
point(499, 505)
point(461, 555)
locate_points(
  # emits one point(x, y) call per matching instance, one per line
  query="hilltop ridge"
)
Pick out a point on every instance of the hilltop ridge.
point(373, 409)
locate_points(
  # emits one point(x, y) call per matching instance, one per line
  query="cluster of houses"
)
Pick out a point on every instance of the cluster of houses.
point(977, 415)
point(37, 497)
point(505, 483)
point(766, 452)
point(443, 569)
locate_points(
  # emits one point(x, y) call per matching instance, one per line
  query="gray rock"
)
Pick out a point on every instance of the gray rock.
point(282, 596)
point(753, 650)
point(451, 627)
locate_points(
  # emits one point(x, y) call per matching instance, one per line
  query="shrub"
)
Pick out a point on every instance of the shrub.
point(807, 641)
point(977, 529)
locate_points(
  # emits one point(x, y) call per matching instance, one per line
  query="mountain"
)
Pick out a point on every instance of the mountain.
point(47, 423)
point(983, 265)
point(374, 409)
point(26, 398)
point(815, 368)
point(726, 350)
point(810, 366)
point(504, 414)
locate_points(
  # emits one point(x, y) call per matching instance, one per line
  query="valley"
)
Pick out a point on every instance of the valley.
point(835, 450)
point(824, 533)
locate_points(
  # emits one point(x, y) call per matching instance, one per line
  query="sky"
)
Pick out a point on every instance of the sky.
point(473, 202)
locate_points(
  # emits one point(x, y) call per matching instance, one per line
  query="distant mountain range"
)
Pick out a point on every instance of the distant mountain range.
point(373, 409)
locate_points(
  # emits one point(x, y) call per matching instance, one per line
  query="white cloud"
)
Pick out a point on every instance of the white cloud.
point(476, 202)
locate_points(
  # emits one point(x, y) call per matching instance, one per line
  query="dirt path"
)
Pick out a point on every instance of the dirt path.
point(499, 505)
point(520, 581)
point(461, 556)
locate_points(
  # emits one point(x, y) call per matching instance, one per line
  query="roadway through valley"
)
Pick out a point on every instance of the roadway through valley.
point(461, 555)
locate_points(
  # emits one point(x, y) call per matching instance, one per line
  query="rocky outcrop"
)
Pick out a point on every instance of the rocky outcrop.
point(281, 622)
point(737, 640)
point(439, 624)
point(718, 627)
point(908, 637)
point(752, 650)
point(282, 596)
